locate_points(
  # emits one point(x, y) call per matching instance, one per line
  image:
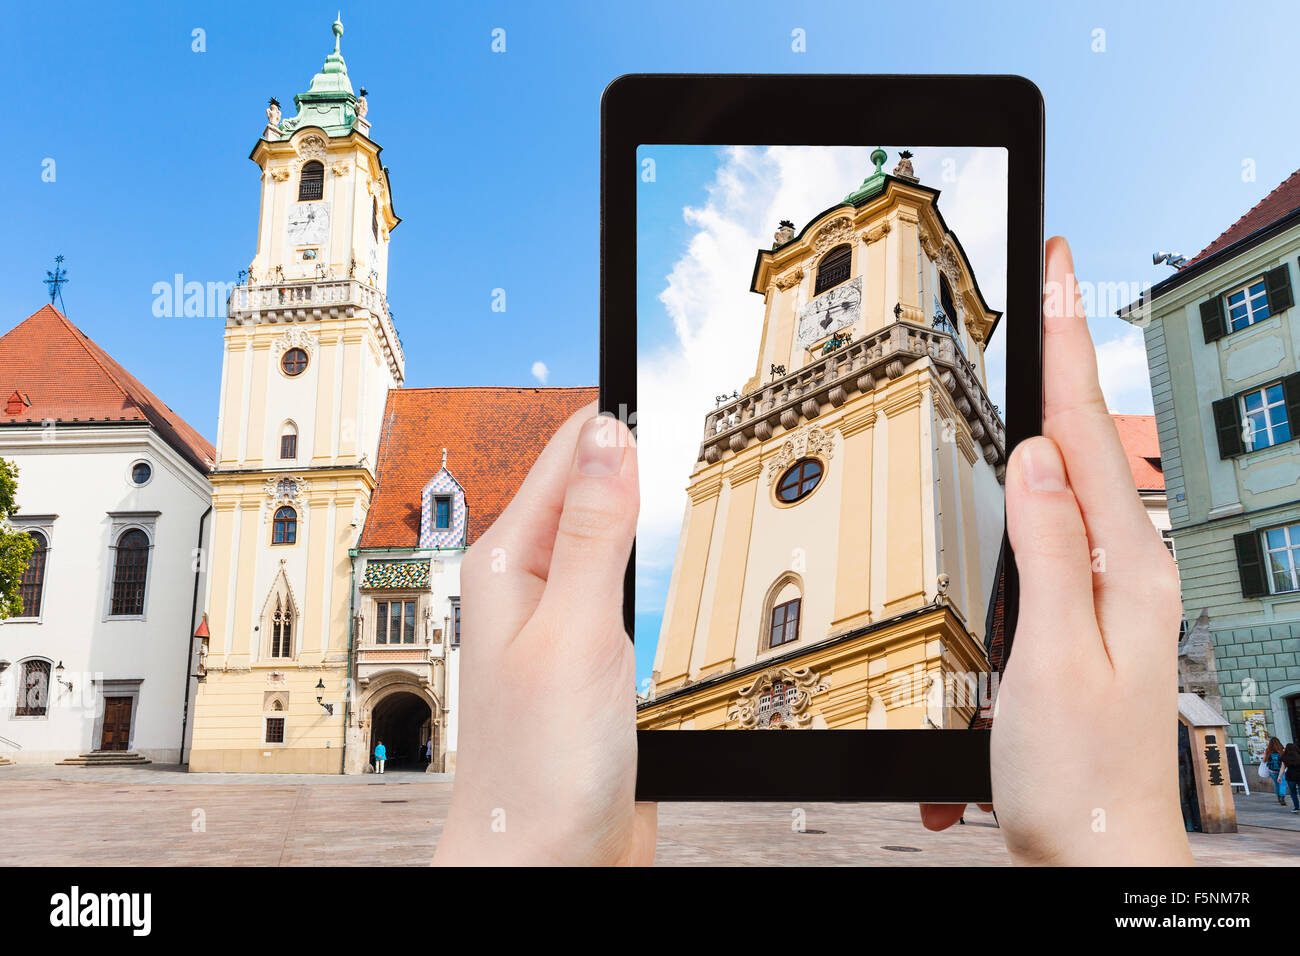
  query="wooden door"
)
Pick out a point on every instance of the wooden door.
point(117, 723)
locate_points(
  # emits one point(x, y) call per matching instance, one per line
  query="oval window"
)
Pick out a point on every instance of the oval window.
point(294, 361)
point(141, 473)
point(799, 480)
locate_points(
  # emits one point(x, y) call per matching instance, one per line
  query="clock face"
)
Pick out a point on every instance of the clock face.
point(309, 224)
point(830, 311)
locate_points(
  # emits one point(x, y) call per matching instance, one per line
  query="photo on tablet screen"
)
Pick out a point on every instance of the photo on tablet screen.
point(821, 436)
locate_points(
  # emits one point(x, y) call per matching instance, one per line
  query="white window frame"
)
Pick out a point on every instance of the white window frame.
point(122, 522)
point(1291, 550)
point(45, 525)
point(1250, 435)
point(1250, 300)
point(402, 598)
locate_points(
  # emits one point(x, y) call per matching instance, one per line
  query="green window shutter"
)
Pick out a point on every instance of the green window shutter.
point(1291, 392)
point(1250, 564)
point(1227, 425)
point(1212, 320)
point(1277, 282)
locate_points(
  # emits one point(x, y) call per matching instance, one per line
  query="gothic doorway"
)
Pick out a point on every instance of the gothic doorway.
point(403, 721)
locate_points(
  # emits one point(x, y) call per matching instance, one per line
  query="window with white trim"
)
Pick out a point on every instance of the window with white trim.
point(1247, 304)
point(1263, 416)
point(1282, 551)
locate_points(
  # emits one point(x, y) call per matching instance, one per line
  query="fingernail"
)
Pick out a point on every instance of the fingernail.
point(600, 448)
point(1041, 466)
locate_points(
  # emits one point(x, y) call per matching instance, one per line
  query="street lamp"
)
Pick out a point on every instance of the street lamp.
point(58, 676)
point(320, 697)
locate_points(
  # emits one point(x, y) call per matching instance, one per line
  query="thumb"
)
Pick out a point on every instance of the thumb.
point(594, 536)
point(1052, 555)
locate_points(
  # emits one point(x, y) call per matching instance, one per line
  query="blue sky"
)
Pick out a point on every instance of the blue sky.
point(494, 156)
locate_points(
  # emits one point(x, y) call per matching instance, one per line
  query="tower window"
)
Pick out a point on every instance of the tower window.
point(834, 269)
point(785, 623)
point(799, 480)
point(130, 569)
point(374, 218)
point(32, 585)
point(141, 473)
point(442, 513)
point(289, 443)
point(455, 613)
point(281, 629)
point(294, 361)
point(311, 182)
point(285, 528)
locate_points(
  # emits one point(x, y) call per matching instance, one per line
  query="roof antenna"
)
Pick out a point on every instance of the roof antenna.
point(56, 280)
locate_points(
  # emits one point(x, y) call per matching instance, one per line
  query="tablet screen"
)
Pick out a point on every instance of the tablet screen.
point(822, 445)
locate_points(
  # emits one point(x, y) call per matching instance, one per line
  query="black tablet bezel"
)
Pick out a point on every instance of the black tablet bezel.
point(938, 766)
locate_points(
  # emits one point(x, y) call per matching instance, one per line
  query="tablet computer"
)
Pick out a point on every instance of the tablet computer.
point(820, 314)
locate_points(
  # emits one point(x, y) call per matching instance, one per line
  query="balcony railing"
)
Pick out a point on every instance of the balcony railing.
point(289, 300)
point(851, 369)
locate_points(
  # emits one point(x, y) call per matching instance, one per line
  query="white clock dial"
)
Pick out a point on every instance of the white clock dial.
point(830, 311)
point(309, 224)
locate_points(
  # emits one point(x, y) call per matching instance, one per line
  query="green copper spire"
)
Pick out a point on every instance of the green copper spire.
point(329, 102)
point(873, 183)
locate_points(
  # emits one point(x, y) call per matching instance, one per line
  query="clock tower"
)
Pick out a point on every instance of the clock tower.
point(310, 355)
point(844, 512)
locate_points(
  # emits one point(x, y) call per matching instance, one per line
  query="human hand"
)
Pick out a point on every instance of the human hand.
point(546, 760)
point(1084, 747)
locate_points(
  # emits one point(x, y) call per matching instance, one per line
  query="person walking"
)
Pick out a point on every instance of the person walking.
point(1291, 765)
point(1273, 764)
point(428, 750)
point(381, 755)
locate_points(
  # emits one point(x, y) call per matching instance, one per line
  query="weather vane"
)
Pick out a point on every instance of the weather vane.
point(56, 280)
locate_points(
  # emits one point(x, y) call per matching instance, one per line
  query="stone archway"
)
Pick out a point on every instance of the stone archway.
point(400, 710)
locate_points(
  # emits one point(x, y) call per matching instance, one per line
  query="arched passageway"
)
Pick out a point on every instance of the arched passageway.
point(404, 722)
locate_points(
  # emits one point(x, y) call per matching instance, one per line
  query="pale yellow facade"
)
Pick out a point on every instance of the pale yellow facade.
point(893, 554)
point(316, 286)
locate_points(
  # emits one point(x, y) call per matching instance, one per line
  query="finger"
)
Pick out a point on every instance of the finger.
point(940, 816)
point(594, 537)
point(1075, 416)
point(1057, 621)
point(505, 573)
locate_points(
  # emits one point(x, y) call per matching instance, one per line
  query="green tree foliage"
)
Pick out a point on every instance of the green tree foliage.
point(15, 546)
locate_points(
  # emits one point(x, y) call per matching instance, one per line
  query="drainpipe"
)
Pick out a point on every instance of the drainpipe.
point(189, 641)
point(352, 620)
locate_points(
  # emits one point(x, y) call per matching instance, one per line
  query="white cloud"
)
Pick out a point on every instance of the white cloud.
point(1122, 368)
point(541, 372)
point(716, 321)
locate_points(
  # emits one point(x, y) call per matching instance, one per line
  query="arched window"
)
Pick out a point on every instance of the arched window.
point(782, 612)
point(284, 530)
point(130, 571)
point(374, 218)
point(945, 299)
point(281, 628)
point(32, 586)
point(311, 182)
point(833, 269)
point(34, 689)
point(289, 442)
point(799, 480)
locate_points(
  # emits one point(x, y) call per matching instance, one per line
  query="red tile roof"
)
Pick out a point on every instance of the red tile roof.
point(1280, 202)
point(492, 437)
point(53, 371)
point(1141, 441)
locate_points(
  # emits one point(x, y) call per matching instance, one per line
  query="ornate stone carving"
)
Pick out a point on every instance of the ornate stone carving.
point(809, 440)
point(783, 234)
point(311, 147)
point(876, 233)
point(295, 338)
point(273, 113)
point(280, 173)
point(789, 280)
point(758, 708)
point(894, 369)
point(839, 229)
point(285, 490)
point(341, 169)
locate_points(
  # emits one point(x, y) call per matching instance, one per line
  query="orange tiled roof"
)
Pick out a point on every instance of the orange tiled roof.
point(1280, 202)
point(50, 370)
point(1141, 441)
point(492, 437)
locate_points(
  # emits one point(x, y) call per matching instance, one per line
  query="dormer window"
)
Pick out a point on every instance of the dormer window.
point(311, 182)
point(833, 269)
point(442, 513)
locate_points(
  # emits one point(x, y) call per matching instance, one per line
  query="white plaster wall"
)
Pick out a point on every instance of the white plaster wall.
point(81, 476)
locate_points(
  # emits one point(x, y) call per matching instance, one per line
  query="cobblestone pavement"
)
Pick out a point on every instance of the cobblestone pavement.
point(159, 816)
